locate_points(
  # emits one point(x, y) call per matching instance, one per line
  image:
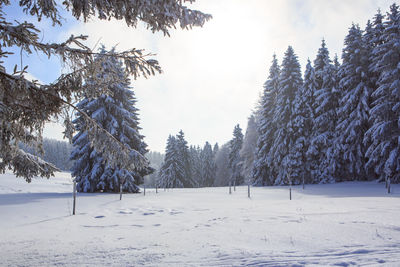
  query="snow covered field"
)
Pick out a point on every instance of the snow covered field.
point(340, 224)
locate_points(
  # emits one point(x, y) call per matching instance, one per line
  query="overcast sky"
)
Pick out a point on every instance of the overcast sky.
point(212, 76)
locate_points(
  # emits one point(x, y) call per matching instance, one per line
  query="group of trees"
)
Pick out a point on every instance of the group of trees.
point(192, 166)
point(156, 159)
point(186, 166)
point(54, 152)
point(341, 121)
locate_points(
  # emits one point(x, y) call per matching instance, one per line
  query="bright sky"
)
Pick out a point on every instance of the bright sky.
point(213, 75)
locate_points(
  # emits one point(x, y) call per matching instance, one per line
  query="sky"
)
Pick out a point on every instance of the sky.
point(212, 76)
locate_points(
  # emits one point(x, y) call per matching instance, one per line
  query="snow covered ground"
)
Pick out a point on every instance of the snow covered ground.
point(340, 224)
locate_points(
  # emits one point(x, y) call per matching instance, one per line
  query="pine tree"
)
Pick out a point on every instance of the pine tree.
point(249, 148)
point(373, 38)
point(353, 111)
point(326, 98)
point(156, 159)
point(262, 171)
point(384, 151)
point(183, 152)
point(235, 161)
point(208, 168)
point(118, 115)
point(195, 165)
point(302, 126)
point(171, 172)
point(223, 173)
point(215, 149)
point(290, 82)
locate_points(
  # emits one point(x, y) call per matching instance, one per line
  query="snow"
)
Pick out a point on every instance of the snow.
point(334, 224)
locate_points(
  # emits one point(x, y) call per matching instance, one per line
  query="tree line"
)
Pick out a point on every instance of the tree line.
point(341, 121)
point(54, 151)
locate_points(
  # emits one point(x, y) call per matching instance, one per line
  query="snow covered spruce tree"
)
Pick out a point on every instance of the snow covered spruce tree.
point(117, 114)
point(302, 127)
point(353, 110)
point(262, 171)
point(208, 167)
point(290, 82)
point(183, 154)
point(323, 132)
point(384, 134)
point(223, 173)
point(249, 148)
point(171, 171)
point(25, 106)
point(195, 165)
point(215, 149)
point(235, 161)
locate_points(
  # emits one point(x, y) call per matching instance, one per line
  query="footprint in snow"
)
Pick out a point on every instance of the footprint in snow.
point(148, 213)
point(125, 212)
point(99, 217)
point(175, 212)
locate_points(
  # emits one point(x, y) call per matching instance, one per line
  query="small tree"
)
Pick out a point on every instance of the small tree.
point(235, 161)
point(208, 168)
point(249, 148)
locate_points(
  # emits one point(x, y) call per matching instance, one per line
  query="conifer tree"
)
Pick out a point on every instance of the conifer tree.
point(215, 149)
point(184, 161)
point(235, 161)
point(208, 168)
point(384, 151)
point(195, 165)
point(249, 148)
point(118, 115)
point(290, 82)
point(373, 38)
point(171, 172)
point(223, 173)
point(353, 111)
point(302, 127)
point(262, 171)
point(326, 97)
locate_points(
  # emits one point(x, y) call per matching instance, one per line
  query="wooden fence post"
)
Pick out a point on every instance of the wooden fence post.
point(290, 193)
point(74, 194)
